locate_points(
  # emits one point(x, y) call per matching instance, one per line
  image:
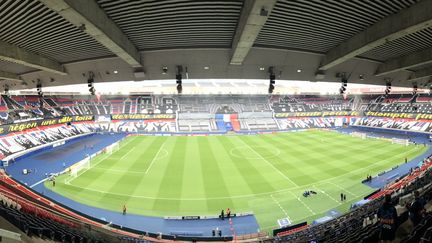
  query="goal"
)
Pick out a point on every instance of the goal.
point(359, 135)
point(400, 141)
point(112, 148)
point(81, 166)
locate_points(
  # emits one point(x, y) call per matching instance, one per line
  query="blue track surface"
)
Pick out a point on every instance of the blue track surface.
point(51, 161)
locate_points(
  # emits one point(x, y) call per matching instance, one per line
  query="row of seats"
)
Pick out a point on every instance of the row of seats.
point(25, 108)
point(422, 232)
point(305, 123)
point(16, 142)
point(38, 217)
point(408, 125)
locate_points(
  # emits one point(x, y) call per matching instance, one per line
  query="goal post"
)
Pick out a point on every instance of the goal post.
point(85, 164)
point(112, 148)
point(401, 141)
point(81, 166)
point(359, 135)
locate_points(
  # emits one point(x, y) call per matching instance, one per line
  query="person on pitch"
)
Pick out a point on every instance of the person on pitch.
point(124, 209)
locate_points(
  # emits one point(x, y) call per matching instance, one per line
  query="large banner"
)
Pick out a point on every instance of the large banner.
point(317, 114)
point(141, 116)
point(18, 127)
point(419, 116)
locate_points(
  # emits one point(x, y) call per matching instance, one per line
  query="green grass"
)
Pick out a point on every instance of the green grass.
point(263, 174)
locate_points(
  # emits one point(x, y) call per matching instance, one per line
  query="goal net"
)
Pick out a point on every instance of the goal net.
point(112, 148)
point(359, 135)
point(400, 141)
point(81, 166)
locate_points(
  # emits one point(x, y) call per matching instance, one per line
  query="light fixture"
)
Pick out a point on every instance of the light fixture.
point(90, 82)
point(272, 78)
point(115, 71)
point(388, 88)
point(6, 89)
point(164, 70)
point(206, 68)
point(179, 79)
point(344, 81)
point(299, 70)
point(262, 68)
point(414, 88)
point(40, 93)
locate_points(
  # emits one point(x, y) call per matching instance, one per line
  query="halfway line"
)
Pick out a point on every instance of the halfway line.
point(261, 157)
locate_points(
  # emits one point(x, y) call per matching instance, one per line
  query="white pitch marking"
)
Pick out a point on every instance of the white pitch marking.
point(336, 185)
point(283, 210)
point(127, 153)
point(246, 195)
point(154, 158)
point(325, 193)
point(262, 158)
point(304, 204)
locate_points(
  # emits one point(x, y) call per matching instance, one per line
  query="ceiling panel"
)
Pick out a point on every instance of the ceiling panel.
point(29, 24)
point(175, 23)
point(319, 25)
point(402, 46)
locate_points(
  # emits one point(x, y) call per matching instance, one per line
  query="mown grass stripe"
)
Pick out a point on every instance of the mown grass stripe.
point(136, 162)
point(211, 177)
point(214, 185)
point(255, 180)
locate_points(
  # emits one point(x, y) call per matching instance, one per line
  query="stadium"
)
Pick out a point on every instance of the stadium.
point(224, 121)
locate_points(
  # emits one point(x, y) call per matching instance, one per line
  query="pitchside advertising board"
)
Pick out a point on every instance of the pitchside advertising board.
point(19, 127)
point(142, 116)
point(418, 116)
point(317, 114)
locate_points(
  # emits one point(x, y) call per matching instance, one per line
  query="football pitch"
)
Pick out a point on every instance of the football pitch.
point(264, 174)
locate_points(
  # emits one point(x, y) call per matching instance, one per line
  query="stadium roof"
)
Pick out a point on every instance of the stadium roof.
point(58, 42)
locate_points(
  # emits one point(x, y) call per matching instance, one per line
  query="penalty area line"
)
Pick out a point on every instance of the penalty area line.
point(124, 145)
point(326, 194)
point(343, 189)
point(127, 153)
point(304, 204)
point(280, 206)
point(154, 158)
